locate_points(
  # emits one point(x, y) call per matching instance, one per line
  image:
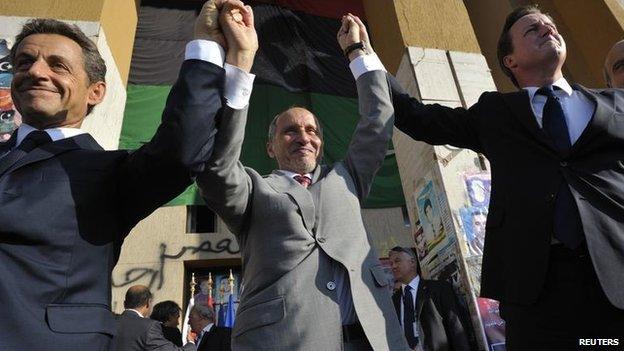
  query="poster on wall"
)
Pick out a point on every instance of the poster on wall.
point(473, 216)
point(9, 117)
point(220, 292)
point(435, 237)
point(493, 324)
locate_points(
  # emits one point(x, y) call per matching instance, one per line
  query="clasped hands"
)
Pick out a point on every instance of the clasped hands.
point(230, 23)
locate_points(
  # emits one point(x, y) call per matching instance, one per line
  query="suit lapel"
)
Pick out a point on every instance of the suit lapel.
point(520, 106)
point(83, 141)
point(205, 337)
point(396, 300)
point(301, 195)
point(598, 124)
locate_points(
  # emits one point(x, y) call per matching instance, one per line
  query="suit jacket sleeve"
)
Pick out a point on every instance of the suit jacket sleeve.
point(155, 340)
point(369, 143)
point(161, 169)
point(436, 124)
point(224, 184)
point(452, 324)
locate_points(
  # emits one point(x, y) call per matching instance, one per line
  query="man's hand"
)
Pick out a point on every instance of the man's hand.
point(207, 23)
point(353, 31)
point(237, 23)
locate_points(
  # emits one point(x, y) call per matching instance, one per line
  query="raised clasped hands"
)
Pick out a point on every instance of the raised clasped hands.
point(230, 23)
point(351, 32)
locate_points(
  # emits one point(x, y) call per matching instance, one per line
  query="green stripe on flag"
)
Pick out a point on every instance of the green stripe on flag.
point(338, 115)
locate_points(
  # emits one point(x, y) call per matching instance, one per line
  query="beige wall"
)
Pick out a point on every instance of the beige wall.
point(400, 23)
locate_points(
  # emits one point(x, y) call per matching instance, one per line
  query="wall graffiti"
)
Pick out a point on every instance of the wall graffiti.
point(156, 276)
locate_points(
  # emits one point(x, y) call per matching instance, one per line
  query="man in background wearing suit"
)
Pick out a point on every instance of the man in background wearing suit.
point(209, 336)
point(427, 309)
point(557, 150)
point(137, 332)
point(67, 204)
point(311, 280)
point(613, 69)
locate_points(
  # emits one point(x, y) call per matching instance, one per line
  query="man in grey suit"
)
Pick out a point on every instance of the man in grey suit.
point(311, 279)
point(136, 332)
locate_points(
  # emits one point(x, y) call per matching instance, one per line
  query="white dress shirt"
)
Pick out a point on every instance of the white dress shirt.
point(238, 83)
point(414, 285)
point(577, 108)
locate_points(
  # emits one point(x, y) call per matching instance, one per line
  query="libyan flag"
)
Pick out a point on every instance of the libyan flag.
point(299, 63)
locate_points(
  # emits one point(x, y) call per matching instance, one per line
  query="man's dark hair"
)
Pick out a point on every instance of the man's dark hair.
point(93, 63)
point(409, 251)
point(137, 296)
point(165, 310)
point(505, 46)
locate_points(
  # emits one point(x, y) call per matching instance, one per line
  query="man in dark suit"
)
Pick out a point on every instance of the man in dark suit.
point(209, 336)
point(136, 332)
point(66, 204)
point(427, 309)
point(556, 153)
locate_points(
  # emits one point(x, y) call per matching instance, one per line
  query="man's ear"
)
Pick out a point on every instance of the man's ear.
point(269, 148)
point(509, 62)
point(97, 91)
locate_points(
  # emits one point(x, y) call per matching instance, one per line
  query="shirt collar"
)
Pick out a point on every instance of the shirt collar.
point(54, 133)
point(561, 83)
point(413, 284)
point(133, 310)
point(293, 174)
point(205, 330)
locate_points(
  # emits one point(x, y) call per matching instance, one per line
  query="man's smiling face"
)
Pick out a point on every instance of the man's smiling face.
point(296, 144)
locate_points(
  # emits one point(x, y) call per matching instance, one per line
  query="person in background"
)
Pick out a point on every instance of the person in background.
point(427, 309)
point(168, 313)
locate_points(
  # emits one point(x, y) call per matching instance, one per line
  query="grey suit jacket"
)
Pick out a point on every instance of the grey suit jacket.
point(291, 237)
point(135, 333)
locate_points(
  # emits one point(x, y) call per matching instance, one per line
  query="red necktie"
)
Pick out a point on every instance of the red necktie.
point(303, 180)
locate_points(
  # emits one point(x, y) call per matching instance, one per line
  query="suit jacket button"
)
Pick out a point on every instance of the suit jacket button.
point(321, 240)
point(550, 197)
point(331, 286)
point(563, 164)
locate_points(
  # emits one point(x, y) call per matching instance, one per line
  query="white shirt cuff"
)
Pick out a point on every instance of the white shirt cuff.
point(366, 63)
point(238, 85)
point(205, 50)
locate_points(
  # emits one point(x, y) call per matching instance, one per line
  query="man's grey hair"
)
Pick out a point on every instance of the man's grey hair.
point(204, 311)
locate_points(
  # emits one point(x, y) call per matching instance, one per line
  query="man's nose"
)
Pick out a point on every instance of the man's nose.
point(38, 69)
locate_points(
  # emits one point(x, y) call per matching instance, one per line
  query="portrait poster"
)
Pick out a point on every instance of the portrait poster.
point(430, 217)
point(220, 292)
point(493, 324)
point(9, 117)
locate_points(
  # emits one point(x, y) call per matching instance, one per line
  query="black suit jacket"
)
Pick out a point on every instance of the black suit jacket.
point(526, 173)
point(66, 207)
point(438, 317)
point(135, 333)
point(217, 339)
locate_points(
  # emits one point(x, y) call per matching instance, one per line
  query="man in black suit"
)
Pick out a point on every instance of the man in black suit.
point(555, 153)
point(136, 332)
point(427, 309)
point(209, 336)
point(66, 204)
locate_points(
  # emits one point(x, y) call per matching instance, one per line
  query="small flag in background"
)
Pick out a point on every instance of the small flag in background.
point(229, 313)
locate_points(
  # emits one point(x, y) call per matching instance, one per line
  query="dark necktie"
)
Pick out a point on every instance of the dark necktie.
point(30, 142)
point(303, 180)
point(567, 224)
point(409, 317)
